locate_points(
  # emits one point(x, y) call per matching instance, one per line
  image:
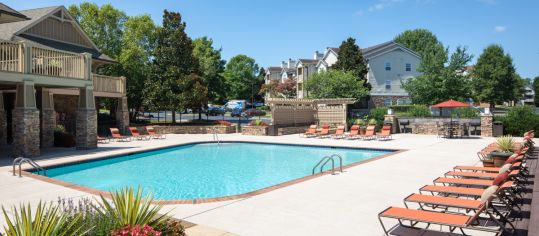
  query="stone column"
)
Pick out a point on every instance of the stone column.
point(48, 119)
point(86, 133)
point(122, 114)
point(393, 120)
point(486, 125)
point(3, 121)
point(26, 139)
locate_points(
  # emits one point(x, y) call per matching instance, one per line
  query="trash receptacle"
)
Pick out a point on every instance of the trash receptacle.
point(497, 129)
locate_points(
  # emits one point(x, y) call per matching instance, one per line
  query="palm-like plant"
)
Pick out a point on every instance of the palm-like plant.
point(505, 143)
point(129, 208)
point(47, 220)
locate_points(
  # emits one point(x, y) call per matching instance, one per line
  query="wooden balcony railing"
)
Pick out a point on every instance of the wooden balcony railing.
point(24, 58)
point(109, 84)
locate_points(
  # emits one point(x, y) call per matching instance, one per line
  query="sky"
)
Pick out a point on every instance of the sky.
point(273, 31)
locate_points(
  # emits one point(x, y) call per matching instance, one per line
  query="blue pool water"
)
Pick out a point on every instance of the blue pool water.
point(205, 170)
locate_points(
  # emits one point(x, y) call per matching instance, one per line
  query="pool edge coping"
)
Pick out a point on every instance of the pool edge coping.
point(27, 172)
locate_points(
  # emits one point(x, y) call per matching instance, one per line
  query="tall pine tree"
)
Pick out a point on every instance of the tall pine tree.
point(174, 74)
point(351, 60)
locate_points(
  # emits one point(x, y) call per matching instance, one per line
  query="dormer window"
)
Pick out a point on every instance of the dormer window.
point(388, 66)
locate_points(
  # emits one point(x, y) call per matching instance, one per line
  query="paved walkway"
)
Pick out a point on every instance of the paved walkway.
point(345, 204)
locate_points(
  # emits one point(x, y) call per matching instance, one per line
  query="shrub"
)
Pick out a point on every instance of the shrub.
point(63, 138)
point(419, 111)
point(223, 123)
point(95, 223)
point(263, 108)
point(466, 112)
point(377, 114)
point(129, 208)
point(172, 227)
point(46, 220)
point(519, 119)
point(258, 123)
point(505, 143)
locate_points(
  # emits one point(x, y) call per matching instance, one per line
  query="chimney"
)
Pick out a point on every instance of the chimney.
point(318, 55)
point(283, 64)
point(290, 63)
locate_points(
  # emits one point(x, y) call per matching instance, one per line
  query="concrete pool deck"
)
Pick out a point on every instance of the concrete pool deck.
point(343, 204)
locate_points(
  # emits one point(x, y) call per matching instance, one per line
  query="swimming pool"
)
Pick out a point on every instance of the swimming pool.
point(205, 170)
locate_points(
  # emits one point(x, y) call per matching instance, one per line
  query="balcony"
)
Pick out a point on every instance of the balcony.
point(54, 68)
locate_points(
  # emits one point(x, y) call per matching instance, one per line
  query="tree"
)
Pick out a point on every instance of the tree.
point(336, 84)
point(448, 82)
point(275, 88)
point(494, 76)
point(139, 43)
point(426, 44)
point(351, 59)
point(211, 68)
point(174, 73)
point(240, 77)
point(535, 85)
point(104, 25)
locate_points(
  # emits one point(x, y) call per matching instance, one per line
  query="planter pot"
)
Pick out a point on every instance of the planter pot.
point(500, 158)
point(489, 163)
point(362, 130)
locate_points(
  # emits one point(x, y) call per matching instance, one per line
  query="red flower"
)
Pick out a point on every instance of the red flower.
point(146, 230)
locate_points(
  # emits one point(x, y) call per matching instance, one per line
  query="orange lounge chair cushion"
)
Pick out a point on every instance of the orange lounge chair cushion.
point(472, 174)
point(453, 190)
point(478, 182)
point(427, 216)
point(446, 201)
point(477, 168)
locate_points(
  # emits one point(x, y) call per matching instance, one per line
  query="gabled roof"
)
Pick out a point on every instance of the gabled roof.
point(14, 32)
point(15, 15)
point(376, 50)
point(273, 69)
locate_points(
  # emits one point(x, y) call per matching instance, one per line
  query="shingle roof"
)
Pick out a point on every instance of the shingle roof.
point(275, 68)
point(308, 61)
point(373, 50)
point(4, 9)
point(9, 31)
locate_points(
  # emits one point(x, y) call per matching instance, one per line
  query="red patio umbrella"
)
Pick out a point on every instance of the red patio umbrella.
point(450, 104)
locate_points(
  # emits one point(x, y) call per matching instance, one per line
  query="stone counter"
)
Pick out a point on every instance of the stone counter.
point(254, 130)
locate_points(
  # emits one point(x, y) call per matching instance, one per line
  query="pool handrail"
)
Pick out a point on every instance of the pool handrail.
point(20, 160)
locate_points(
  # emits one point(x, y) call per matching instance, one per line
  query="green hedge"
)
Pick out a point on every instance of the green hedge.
point(518, 120)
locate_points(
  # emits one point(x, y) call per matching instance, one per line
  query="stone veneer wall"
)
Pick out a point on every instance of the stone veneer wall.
point(48, 123)
point(191, 129)
point(254, 130)
point(26, 141)
point(3, 128)
point(378, 101)
point(86, 125)
point(291, 130)
point(486, 125)
point(428, 125)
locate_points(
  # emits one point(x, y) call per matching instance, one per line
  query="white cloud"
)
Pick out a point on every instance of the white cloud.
point(382, 4)
point(500, 29)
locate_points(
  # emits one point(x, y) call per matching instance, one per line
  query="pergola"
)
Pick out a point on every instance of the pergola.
point(308, 111)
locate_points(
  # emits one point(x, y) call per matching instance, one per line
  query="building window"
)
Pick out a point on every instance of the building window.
point(404, 101)
point(300, 87)
point(388, 84)
point(388, 66)
point(408, 67)
point(388, 102)
point(300, 71)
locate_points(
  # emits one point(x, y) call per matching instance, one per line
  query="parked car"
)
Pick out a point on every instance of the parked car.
point(254, 112)
point(215, 111)
point(235, 104)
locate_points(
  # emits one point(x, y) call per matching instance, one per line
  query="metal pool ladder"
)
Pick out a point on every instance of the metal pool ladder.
point(327, 159)
point(216, 137)
point(20, 160)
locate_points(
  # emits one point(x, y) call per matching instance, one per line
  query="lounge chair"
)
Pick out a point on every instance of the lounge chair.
point(370, 134)
point(117, 136)
point(515, 165)
point(102, 140)
point(324, 132)
point(153, 134)
point(461, 191)
point(354, 132)
point(386, 133)
point(136, 135)
point(339, 133)
point(452, 220)
point(310, 132)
